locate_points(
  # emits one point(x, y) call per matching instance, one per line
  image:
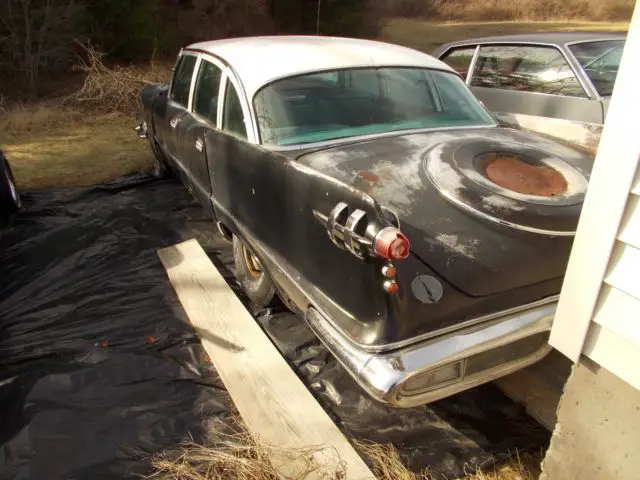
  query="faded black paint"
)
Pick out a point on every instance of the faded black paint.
point(267, 198)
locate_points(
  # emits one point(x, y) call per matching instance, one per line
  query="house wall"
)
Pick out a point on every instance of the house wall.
point(598, 313)
point(597, 324)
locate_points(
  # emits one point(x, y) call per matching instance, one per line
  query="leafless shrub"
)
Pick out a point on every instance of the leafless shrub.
point(114, 88)
point(36, 36)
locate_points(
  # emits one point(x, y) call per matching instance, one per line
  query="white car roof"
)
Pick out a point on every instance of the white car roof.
point(260, 60)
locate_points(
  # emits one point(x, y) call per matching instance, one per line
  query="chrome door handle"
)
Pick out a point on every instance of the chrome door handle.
point(174, 122)
point(199, 144)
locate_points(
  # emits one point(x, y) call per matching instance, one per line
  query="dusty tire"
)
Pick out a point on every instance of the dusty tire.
point(255, 282)
point(10, 202)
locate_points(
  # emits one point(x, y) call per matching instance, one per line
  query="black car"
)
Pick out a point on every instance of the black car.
point(366, 186)
point(10, 202)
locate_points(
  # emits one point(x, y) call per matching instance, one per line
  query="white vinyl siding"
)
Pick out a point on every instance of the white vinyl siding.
point(598, 312)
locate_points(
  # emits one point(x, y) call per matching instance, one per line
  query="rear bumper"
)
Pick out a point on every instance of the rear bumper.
point(430, 370)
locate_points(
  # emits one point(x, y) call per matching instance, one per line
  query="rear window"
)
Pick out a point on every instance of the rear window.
point(352, 102)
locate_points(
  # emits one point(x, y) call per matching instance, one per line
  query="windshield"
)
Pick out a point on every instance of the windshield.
point(600, 61)
point(360, 101)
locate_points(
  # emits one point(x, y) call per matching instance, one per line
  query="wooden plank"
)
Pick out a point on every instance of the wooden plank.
point(622, 272)
point(273, 402)
point(619, 313)
point(630, 229)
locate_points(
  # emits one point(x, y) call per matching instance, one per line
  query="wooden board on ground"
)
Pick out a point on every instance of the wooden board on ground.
point(273, 402)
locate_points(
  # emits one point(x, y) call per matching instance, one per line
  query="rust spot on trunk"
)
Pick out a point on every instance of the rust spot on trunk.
point(369, 176)
point(513, 173)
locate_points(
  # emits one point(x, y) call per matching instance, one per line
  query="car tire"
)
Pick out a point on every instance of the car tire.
point(254, 281)
point(10, 201)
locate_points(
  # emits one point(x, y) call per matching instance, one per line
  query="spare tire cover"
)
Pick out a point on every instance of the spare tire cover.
point(512, 184)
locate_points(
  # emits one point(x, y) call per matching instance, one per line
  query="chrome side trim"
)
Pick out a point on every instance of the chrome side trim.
point(383, 375)
point(372, 136)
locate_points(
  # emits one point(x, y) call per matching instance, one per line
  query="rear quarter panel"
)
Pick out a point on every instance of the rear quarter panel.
point(270, 199)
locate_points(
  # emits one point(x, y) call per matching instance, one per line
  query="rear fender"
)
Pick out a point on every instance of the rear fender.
point(277, 205)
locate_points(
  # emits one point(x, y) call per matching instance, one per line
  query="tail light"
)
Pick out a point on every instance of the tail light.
point(391, 244)
point(350, 230)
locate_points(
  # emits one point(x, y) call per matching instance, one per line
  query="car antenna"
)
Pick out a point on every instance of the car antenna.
point(318, 18)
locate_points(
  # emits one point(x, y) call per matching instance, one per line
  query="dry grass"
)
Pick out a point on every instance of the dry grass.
point(509, 10)
point(233, 453)
point(426, 35)
point(52, 145)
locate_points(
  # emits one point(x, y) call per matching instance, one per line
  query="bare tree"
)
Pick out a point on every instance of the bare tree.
point(36, 36)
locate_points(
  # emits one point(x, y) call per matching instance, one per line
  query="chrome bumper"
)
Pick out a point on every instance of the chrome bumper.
point(430, 370)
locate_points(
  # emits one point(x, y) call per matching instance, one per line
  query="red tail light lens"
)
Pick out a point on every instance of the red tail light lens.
point(391, 244)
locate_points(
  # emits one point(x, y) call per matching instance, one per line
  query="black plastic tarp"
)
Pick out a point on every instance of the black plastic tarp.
point(99, 367)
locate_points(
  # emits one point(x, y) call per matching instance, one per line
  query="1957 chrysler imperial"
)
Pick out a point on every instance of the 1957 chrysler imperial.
point(363, 184)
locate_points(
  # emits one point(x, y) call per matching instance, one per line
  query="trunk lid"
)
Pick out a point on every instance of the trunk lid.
point(475, 254)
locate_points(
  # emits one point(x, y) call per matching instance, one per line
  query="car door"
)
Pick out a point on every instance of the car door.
point(177, 104)
point(533, 81)
point(201, 116)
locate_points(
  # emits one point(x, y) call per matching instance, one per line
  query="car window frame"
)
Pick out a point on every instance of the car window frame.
point(578, 74)
point(587, 80)
point(474, 57)
point(573, 63)
point(181, 55)
point(227, 72)
point(223, 69)
point(229, 78)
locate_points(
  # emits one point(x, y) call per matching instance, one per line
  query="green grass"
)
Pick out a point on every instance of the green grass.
point(49, 146)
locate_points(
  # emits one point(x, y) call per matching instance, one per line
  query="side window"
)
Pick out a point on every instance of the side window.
point(181, 84)
point(233, 117)
point(525, 69)
point(205, 101)
point(459, 59)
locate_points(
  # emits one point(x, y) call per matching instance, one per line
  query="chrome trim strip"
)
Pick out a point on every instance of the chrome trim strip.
point(383, 375)
point(472, 65)
point(371, 136)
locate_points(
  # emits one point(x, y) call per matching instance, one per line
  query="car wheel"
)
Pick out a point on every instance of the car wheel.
point(249, 272)
point(10, 202)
